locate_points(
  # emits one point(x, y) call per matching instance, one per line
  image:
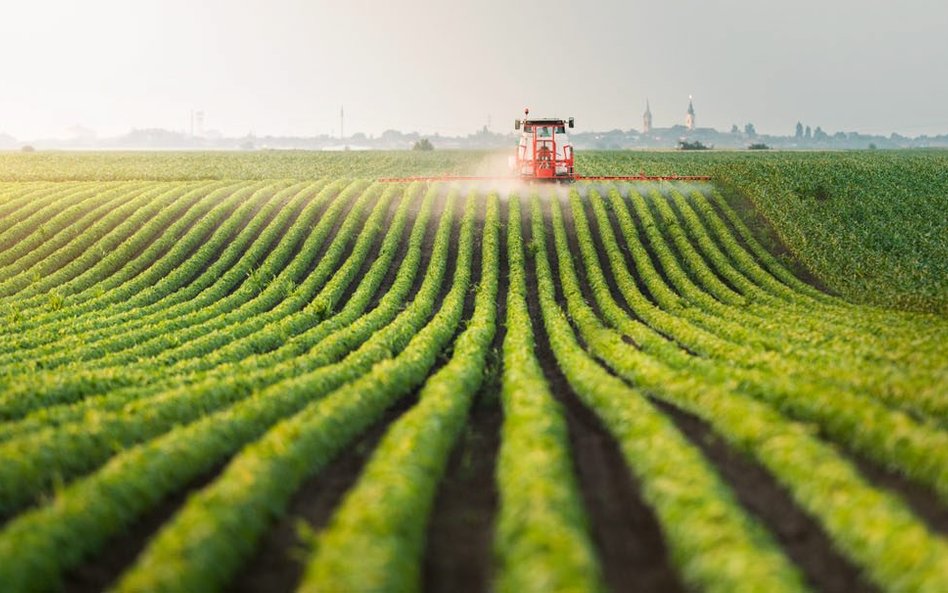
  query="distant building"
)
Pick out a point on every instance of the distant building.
point(197, 124)
point(690, 115)
point(647, 119)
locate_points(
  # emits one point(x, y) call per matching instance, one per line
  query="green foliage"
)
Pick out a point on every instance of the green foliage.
point(54, 301)
point(154, 332)
point(168, 166)
point(424, 145)
point(696, 145)
point(871, 226)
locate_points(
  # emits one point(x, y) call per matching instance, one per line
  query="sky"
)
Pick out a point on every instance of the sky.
point(285, 67)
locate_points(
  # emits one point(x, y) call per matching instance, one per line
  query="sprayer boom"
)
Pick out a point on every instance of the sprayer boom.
point(562, 178)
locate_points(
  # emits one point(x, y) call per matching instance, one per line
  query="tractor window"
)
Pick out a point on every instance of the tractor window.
point(544, 132)
point(561, 130)
point(527, 128)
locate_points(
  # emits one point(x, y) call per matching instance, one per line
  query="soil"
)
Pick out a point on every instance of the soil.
point(460, 533)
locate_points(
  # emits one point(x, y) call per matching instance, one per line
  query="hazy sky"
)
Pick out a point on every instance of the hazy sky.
point(285, 66)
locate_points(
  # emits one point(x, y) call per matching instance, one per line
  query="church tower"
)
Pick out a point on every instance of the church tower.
point(647, 119)
point(690, 115)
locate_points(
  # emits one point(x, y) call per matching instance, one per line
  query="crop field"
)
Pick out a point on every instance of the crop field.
point(274, 373)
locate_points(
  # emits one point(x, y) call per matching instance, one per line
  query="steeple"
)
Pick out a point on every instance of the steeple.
point(690, 116)
point(647, 119)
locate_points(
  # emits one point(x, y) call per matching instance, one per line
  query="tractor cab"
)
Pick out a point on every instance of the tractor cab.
point(544, 150)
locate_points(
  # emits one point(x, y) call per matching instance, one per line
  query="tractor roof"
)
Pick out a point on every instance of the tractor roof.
point(545, 122)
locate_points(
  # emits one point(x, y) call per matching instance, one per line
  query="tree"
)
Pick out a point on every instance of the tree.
point(696, 145)
point(735, 129)
point(819, 134)
point(391, 136)
point(799, 133)
point(808, 133)
point(750, 131)
point(423, 144)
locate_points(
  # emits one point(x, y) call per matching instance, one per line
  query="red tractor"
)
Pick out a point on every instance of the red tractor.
point(544, 151)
